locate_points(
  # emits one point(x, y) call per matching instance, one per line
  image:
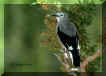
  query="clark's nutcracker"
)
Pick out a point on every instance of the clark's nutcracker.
point(67, 33)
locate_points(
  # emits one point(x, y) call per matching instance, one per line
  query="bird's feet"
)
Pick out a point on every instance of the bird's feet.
point(64, 49)
point(65, 56)
point(65, 53)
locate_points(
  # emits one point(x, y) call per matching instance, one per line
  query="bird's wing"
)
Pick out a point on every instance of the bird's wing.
point(68, 28)
point(68, 40)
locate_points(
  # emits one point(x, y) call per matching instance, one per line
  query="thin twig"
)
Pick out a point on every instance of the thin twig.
point(89, 59)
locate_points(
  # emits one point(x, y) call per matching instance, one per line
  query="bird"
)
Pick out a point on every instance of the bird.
point(68, 37)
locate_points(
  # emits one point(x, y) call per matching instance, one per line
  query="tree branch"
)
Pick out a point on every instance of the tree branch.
point(89, 59)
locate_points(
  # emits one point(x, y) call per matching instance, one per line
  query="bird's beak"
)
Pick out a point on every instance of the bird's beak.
point(54, 15)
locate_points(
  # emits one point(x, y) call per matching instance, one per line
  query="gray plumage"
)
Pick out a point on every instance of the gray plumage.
point(65, 25)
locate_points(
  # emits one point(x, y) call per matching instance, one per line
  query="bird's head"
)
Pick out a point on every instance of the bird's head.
point(60, 16)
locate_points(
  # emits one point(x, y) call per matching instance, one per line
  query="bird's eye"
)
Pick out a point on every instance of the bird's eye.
point(61, 15)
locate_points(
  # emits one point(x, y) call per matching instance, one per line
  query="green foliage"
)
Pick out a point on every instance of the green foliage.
point(1, 40)
point(68, 1)
point(18, 1)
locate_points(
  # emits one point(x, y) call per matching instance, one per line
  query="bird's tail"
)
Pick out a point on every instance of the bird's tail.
point(75, 57)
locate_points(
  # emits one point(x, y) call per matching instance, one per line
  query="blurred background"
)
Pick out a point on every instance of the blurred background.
point(23, 53)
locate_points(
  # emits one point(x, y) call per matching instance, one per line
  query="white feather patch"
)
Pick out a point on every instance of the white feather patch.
point(58, 19)
point(70, 48)
point(78, 47)
point(71, 56)
point(75, 69)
